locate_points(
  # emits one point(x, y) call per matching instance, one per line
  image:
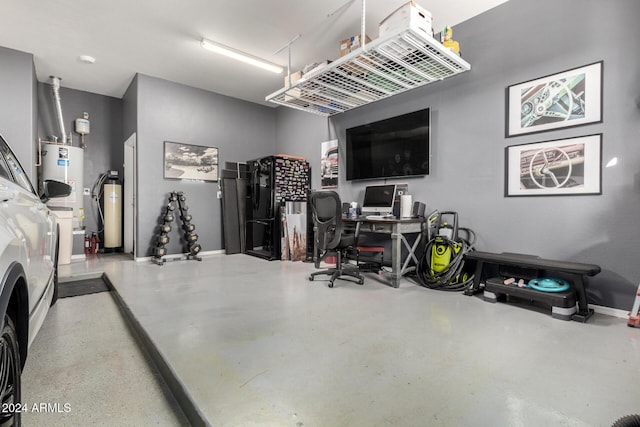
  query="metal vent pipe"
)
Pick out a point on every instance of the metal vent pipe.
point(55, 87)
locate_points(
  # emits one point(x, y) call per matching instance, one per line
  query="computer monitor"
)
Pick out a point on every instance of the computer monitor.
point(379, 198)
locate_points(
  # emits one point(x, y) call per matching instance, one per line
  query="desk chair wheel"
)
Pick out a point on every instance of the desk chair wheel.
point(311, 278)
point(330, 284)
point(361, 282)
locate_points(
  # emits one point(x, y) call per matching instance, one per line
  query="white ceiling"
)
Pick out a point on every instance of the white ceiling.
point(161, 38)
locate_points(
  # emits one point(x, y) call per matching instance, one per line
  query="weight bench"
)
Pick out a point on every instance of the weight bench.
point(530, 266)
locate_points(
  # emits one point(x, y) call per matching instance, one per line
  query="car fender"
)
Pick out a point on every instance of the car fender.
point(11, 278)
point(13, 256)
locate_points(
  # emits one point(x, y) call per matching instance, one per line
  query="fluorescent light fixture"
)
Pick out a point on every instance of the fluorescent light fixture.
point(240, 56)
point(86, 59)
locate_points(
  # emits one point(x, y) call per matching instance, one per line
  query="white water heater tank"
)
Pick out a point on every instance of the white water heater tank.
point(66, 163)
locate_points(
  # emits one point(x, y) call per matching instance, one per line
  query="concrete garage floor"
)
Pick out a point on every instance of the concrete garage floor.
point(85, 362)
point(252, 342)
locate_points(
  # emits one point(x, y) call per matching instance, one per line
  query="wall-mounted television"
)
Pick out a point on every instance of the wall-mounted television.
point(396, 147)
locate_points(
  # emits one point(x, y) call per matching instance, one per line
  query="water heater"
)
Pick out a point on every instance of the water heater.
point(65, 163)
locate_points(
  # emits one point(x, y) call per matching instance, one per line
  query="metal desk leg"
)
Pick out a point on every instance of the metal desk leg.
point(316, 251)
point(396, 259)
point(411, 255)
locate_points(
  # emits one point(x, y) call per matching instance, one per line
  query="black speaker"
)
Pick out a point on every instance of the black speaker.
point(417, 210)
point(345, 208)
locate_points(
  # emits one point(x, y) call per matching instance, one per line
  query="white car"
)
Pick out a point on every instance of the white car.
point(28, 272)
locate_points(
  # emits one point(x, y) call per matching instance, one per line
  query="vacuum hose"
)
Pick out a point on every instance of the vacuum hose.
point(451, 277)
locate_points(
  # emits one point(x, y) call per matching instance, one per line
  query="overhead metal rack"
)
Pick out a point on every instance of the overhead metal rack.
point(397, 62)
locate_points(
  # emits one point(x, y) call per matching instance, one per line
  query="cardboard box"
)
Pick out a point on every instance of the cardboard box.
point(316, 68)
point(352, 43)
point(294, 78)
point(409, 15)
point(291, 93)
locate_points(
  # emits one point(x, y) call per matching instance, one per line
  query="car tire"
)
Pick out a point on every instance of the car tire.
point(10, 375)
point(55, 268)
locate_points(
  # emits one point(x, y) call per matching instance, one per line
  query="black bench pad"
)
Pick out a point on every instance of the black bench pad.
point(532, 261)
point(576, 270)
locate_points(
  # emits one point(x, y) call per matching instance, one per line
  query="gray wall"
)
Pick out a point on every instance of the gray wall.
point(300, 134)
point(168, 111)
point(129, 108)
point(104, 143)
point(19, 106)
point(518, 41)
point(28, 114)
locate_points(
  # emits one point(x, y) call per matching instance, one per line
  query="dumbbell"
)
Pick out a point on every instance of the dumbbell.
point(191, 237)
point(195, 249)
point(188, 227)
point(160, 252)
point(163, 239)
point(165, 228)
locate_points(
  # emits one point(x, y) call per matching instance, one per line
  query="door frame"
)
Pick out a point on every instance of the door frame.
point(130, 195)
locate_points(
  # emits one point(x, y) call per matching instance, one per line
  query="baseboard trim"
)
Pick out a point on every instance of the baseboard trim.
point(615, 312)
point(174, 257)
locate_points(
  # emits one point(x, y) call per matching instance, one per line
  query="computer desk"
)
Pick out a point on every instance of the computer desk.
point(397, 228)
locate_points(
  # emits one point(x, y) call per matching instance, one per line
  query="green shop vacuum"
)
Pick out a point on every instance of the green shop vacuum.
point(442, 265)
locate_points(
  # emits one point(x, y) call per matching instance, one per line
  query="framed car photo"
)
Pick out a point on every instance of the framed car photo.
point(329, 164)
point(560, 167)
point(566, 99)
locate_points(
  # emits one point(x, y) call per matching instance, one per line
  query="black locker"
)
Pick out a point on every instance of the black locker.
point(273, 181)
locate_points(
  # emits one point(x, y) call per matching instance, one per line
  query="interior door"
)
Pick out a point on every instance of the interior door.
point(129, 196)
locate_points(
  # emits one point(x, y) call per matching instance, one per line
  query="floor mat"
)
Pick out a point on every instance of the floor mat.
point(81, 287)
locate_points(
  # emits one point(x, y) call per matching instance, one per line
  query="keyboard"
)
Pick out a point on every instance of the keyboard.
point(377, 217)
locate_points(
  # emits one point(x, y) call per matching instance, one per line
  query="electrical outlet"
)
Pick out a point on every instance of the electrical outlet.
point(86, 191)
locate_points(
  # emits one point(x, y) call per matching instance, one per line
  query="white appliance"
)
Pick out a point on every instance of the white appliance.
point(65, 163)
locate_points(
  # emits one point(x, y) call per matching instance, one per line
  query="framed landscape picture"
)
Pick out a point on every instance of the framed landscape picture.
point(191, 162)
point(567, 99)
point(555, 168)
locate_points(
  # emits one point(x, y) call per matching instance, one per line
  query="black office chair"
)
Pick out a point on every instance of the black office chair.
point(330, 236)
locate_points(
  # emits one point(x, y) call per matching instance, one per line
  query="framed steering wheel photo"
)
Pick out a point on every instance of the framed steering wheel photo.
point(562, 100)
point(551, 168)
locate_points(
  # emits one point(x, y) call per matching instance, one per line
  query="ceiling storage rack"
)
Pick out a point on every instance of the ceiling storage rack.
point(399, 61)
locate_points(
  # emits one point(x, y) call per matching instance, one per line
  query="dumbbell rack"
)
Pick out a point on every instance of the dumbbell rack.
point(169, 215)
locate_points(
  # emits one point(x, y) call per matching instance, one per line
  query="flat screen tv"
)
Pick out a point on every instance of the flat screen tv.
point(395, 147)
